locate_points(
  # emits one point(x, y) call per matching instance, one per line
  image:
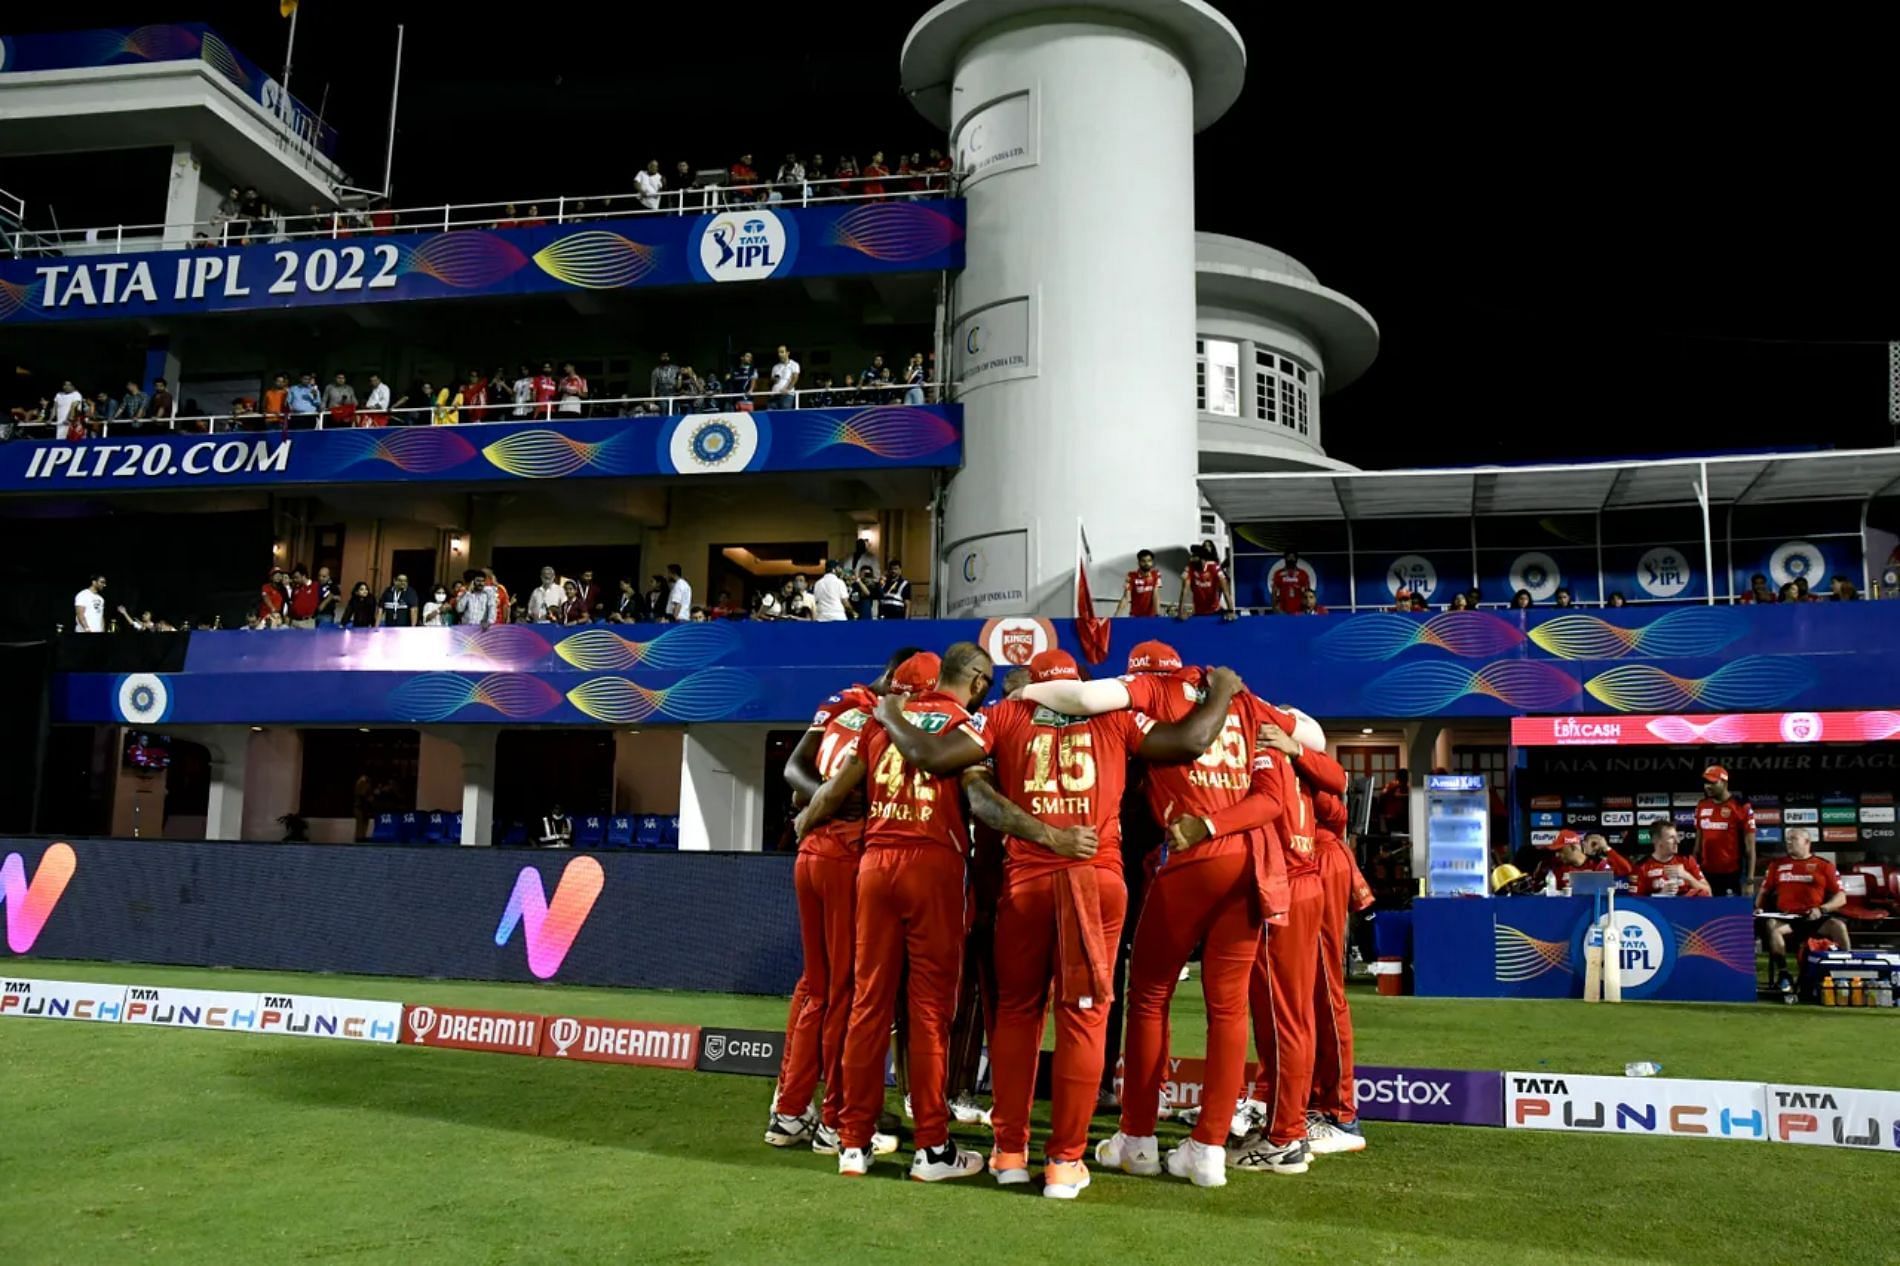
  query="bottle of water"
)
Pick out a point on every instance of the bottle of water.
point(1643, 1068)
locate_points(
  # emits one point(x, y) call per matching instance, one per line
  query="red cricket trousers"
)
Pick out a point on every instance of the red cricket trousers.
point(1284, 977)
point(909, 919)
point(1211, 901)
point(1025, 972)
point(1333, 1071)
point(827, 889)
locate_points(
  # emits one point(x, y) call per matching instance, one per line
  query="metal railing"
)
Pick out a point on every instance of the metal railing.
point(445, 217)
point(629, 408)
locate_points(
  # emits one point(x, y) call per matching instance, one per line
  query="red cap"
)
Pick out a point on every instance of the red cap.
point(1563, 837)
point(1054, 666)
point(1715, 773)
point(1154, 657)
point(918, 673)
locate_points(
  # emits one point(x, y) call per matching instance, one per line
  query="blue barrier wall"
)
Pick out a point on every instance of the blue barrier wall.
point(752, 244)
point(882, 437)
point(1692, 659)
point(723, 922)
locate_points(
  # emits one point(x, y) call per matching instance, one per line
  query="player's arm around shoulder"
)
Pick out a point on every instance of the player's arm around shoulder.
point(1183, 740)
point(999, 813)
point(831, 796)
point(945, 752)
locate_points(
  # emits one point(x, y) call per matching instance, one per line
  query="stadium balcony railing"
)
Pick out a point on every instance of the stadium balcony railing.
point(115, 239)
point(256, 420)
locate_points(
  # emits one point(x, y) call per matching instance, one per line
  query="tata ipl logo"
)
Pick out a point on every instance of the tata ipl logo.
point(29, 906)
point(550, 927)
point(749, 246)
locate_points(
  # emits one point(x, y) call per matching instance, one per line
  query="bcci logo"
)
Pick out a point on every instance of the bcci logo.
point(717, 443)
point(1537, 574)
point(143, 699)
point(715, 1046)
point(564, 1032)
point(743, 247)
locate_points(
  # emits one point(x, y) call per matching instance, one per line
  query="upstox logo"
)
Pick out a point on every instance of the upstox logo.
point(28, 906)
point(550, 927)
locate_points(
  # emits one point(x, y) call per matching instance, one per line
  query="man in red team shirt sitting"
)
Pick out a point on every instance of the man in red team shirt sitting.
point(1059, 919)
point(1667, 873)
point(910, 909)
point(1807, 887)
point(1141, 592)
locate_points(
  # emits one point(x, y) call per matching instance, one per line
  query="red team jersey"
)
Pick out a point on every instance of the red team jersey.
point(1065, 771)
point(908, 806)
point(1799, 886)
point(1652, 878)
point(1289, 584)
point(1718, 829)
point(840, 836)
point(860, 697)
point(1143, 586)
point(1204, 587)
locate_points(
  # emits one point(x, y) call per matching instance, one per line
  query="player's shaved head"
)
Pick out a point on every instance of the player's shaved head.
point(967, 671)
point(883, 683)
point(1015, 679)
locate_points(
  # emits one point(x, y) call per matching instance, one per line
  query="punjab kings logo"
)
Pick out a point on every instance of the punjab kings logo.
point(1015, 640)
point(564, 1032)
point(1801, 727)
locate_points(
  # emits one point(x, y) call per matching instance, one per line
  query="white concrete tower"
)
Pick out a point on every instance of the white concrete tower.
point(1072, 325)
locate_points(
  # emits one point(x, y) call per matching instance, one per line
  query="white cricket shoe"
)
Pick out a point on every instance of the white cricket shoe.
point(1250, 1118)
point(883, 1144)
point(853, 1162)
point(937, 1164)
point(824, 1140)
point(784, 1131)
point(1290, 1158)
point(1138, 1156)
point(1327, 1137)
point(965, 1110)
point(1199, 1163)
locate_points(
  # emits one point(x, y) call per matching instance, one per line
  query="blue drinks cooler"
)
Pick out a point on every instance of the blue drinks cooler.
point(1457, 835)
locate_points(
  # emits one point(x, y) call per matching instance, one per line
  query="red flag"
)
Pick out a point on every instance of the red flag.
point(1090, 629)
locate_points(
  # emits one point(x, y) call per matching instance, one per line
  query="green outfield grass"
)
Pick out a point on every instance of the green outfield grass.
point(124, 1143)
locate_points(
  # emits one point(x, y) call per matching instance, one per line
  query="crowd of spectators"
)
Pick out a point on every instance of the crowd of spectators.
point(744, 385)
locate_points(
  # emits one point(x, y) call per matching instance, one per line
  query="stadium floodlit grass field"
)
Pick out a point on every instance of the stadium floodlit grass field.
point(123, 1143)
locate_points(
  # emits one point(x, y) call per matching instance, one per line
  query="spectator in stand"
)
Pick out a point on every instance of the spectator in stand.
point(328, 597)
point(795, 600)
point(89, 606)
point(864, 593)
point(1289, 581)
point(557, 829)
point(1807, 888)
point(132, 405)
point(868, 380)
point(685, 184)
point(1402, 600)
point(475, 396)
point(789, 184)
point(376, 405)
point(821, 395)
point(659, 589)
point(1666, 872)
point(534, 218)
point(874, 173)
point(742, 381)
point(785, 372)
point(1790, 592)
point(915, 376)
point(360, 611)
point(277, 402)
point(382, 217)
point(544, 602)
point(1141, 588)
point(627, 607)
point(510, 218)
point(477, 606)
point(65, 401)
point(1309, 603)
point(524, 392)
point(1521, 600)
point(663, 383)
point(1205, 589)
point(161, 408)
point(399, 605)
point(1725, 836)
point(504, 605)
point(573, 391)
point(573, 609)
point(306, 402)
point(648, 185)
point(448, 406)
point(679, 594)
point(1801, 588)
point(1562, 598)
point(844, 180)
point(887, 392)
point(436, 612)
point(1617, 599)
point(1843, 590)
point(102, 408)
point(831, 597)
point(689, 391)
point(590, 592)
point(338, 395)
point(546, 388)
point(765, 605)
point(893, 602)
point(743, 180)
point(272, 597)
point(1758, 591)
point(699, 616)
point(301, 613)
point(1459, 602)
point(1395, 803)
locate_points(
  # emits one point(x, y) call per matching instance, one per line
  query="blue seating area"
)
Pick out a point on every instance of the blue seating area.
point(434, 827)
point(592, 832)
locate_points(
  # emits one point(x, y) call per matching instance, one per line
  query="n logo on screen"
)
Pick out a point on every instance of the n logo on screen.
point(29, 906)
point(549, 927)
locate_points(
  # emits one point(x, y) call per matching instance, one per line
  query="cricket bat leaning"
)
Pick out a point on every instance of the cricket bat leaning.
point(1612, 957)
point(1593, 961)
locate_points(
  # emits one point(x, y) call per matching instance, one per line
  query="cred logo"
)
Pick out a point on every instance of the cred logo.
point(550, 927)
point(28, 907)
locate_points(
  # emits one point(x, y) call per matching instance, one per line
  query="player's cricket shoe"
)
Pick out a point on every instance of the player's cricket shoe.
point(1199, 1163)
point(1064, 1180)
point(784, 1131)
point(965, 1110)
point(1138, 1156)
point(1289, 1158)
point(1327, 1137)
point(1250, 1118)
point(938, 1164)
point(883, 1144)
point(1010, 1168)
point(853, 1162)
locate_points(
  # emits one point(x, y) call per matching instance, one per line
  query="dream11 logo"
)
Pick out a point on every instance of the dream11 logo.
point(550, 927)
point(28, 907)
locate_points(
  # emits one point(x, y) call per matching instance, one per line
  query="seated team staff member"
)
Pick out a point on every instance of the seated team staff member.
point(1807, 887)
point(1666, 872)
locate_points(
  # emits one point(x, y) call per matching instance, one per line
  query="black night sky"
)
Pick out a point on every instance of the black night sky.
point(1599, 235)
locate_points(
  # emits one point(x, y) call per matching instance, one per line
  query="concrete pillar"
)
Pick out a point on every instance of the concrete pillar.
point(722, 788)
point(1421, 755)
point(230, 749)
point(182, 196)
point(161, 361)
point(478, 783)
point(1072, 324)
